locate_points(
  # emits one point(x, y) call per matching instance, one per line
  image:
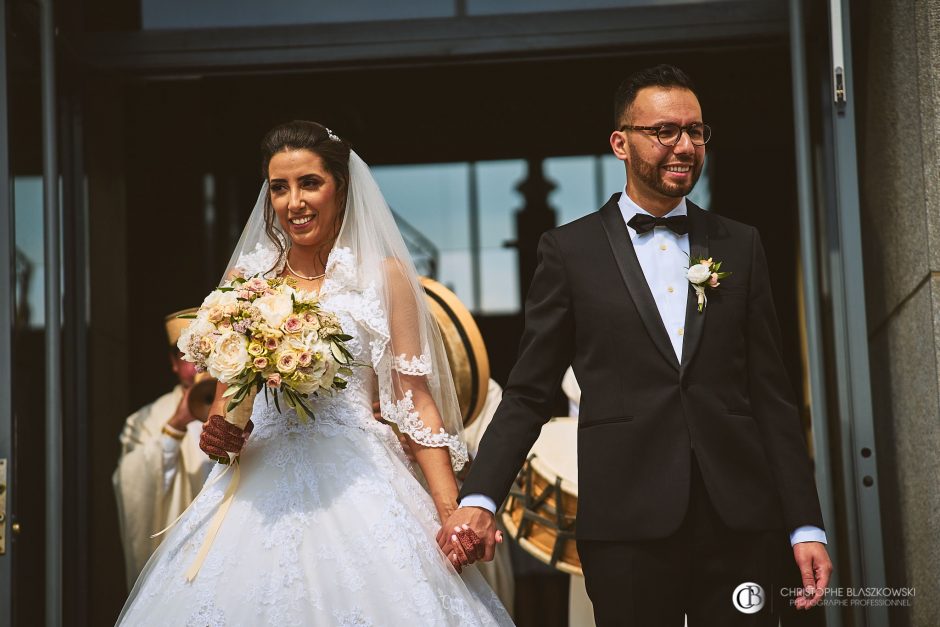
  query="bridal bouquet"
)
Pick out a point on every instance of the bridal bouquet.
point(255, 333)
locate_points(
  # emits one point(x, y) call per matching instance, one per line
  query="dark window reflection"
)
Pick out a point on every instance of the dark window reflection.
point(435, 209)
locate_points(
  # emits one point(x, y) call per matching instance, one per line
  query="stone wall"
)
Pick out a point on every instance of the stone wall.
point(900, 184)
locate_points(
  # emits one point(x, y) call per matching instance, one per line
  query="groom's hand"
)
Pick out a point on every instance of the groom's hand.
point(483, 524)
point(815, 569)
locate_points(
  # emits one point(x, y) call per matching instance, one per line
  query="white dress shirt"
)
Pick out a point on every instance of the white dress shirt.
point(664, 259)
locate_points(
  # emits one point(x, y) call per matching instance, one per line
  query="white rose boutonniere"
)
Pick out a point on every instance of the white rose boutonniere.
point(704, 274)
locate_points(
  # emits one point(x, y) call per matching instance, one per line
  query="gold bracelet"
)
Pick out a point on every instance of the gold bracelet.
point(173, 432)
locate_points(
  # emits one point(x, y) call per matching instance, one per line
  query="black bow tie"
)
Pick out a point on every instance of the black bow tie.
point(642, 223)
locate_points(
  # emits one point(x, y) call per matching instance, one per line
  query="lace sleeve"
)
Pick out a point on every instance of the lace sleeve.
point(414, 379)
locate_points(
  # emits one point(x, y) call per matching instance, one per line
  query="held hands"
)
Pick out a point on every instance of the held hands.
point(219, 438)
point(469, 534)
point(474, 536)
point(815, 569)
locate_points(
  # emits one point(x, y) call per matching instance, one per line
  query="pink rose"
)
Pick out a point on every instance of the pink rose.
point(257, 284)
point(244, 294)
point(260, 363)
point(305, 358)
point(287, 362)
point(713, 281)
point(274, 381)
point(293, 324)
point(271, 343)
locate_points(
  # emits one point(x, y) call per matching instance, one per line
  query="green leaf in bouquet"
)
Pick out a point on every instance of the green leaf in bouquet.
point(231, 391)
point(237, 398)
point(342, 337)
point(345, 371)
point(276, 404)
point(338, 353)
point(240, 394)
point(303, 411)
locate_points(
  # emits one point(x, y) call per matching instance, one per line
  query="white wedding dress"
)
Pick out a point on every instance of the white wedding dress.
point(328, 526)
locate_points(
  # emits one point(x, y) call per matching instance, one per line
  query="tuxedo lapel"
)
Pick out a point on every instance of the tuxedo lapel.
point(698, 249)
point(632, 273)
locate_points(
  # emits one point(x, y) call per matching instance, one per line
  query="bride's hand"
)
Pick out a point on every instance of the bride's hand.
point(219, 438)
point(444, 510)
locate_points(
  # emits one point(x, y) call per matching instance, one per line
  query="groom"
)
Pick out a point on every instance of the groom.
point(692, 468)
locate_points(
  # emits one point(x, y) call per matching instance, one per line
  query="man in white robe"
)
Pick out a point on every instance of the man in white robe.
point(161, 469)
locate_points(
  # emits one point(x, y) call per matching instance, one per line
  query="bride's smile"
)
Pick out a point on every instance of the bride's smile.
point(304, 197)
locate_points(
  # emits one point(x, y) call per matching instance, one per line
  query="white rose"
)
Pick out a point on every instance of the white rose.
point(274, 308)
point(295, 343)
point(217, 298)
point(699, 273)
point(229, 357)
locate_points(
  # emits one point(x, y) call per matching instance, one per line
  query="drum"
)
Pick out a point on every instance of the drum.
point(463, 343)
point(541, 510)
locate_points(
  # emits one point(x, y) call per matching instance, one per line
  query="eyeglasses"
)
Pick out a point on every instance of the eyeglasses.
point(669, 134)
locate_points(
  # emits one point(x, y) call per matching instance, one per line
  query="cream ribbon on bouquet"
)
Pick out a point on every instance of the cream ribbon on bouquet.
point(239, 417)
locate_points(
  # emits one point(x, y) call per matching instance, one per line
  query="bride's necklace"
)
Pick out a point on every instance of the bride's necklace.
point(302, 276)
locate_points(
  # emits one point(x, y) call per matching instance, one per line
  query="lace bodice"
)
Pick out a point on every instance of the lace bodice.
point(361, 315)
point(349, 408)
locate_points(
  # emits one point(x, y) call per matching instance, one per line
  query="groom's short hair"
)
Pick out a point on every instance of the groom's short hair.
point(662, 75)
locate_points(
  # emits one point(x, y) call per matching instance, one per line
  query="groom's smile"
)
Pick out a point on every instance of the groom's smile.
point(660, 166)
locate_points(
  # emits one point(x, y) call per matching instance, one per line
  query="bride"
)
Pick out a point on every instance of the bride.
point(329, 524)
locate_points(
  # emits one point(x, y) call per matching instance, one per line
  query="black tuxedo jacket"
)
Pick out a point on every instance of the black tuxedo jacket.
point(642, 410)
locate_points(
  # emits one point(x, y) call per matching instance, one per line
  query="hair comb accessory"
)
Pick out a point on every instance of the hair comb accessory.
point(331, 134)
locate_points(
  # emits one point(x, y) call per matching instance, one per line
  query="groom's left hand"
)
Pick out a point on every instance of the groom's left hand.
point(815, 569)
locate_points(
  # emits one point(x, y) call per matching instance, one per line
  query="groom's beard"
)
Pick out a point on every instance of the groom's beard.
point(651, 174)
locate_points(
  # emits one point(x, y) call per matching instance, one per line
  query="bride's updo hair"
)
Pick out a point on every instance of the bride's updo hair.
point(304, 135)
